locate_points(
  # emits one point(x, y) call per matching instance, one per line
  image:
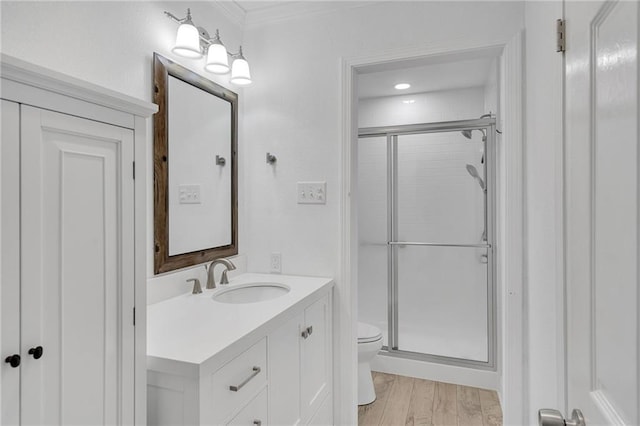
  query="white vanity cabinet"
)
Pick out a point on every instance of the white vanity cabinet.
point(300, 365)
point(68, 338)
point(277, 371)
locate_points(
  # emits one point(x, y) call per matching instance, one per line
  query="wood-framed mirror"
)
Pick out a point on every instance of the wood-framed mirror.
point(195, 168)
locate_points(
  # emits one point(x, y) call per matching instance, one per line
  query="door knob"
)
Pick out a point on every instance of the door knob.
point(36, 352)
point(549, 417)
point(13, 360)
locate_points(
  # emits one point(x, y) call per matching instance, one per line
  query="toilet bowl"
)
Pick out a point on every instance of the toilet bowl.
point(369, 343)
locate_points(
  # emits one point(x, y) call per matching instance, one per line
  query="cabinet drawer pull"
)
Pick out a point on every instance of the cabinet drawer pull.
point(36, 352)
point(307, 331)
point(256, 371)
point(257, 422)
point(13, 360)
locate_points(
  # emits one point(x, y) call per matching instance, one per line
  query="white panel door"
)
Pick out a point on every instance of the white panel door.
point(10, 263)
point(316, 357)
point(602, 210)
point(77, 270)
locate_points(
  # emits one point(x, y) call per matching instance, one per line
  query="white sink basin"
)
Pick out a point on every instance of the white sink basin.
point(251, 292)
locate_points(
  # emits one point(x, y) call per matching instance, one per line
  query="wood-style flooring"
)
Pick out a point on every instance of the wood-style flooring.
point(407, 401)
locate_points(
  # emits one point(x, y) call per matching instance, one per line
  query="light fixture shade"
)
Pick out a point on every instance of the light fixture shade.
point(187, 42)
point(240, 74)
point(217, 61)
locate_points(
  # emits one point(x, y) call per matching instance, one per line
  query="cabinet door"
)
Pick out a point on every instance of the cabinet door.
point(284, 373)
point(316, 357)
point(9, 264)
point(77, 270)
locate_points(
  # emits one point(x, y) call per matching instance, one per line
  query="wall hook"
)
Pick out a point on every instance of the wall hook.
point(220, 161)
point(271, 159)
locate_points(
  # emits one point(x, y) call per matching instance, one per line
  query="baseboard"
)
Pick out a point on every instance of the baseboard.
point(438, 372)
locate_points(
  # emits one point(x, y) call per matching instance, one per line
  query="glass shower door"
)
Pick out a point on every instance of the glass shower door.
point(440, 294)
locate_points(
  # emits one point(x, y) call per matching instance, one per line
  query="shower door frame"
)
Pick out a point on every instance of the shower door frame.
point(391, 133)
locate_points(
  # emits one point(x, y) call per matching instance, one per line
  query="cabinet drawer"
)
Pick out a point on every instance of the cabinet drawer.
point(254, 414)
point(234, 384)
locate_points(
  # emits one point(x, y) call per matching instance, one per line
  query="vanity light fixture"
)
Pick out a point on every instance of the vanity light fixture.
point(402, 86)
point(192, 42)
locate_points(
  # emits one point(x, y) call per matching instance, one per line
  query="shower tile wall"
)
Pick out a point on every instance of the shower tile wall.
point(442, 291)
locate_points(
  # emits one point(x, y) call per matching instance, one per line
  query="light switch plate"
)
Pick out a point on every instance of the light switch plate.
point(312, 192)
point(189, 194)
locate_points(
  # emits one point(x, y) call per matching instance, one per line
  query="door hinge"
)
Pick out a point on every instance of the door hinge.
point(561, 35)
point(134, 170)
point(134, 316)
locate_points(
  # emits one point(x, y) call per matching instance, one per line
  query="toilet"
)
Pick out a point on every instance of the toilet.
point(369, 343)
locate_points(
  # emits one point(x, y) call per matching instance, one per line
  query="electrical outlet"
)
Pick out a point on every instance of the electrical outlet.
point(312, 192)
point(276, 262)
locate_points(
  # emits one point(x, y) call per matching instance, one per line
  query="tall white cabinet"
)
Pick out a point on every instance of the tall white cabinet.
point(71, 251)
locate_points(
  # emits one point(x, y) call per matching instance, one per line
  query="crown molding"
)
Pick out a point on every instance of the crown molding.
point(232, 11)
point(291, 10)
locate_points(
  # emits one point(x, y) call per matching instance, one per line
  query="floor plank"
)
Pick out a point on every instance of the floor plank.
point(491, 411)
point(469, 410)
point(371, 414)
point(421, 407)
point(445, 405)
point(395, 411)
point(418, 402)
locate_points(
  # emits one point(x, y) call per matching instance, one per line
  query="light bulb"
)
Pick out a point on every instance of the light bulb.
point(240, 73)
point(217, 61)
point(187, 41)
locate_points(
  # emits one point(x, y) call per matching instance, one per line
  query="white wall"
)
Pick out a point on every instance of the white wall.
point(293, 110)
point(111, 44)
point(491, 90)
point(431, 107)
point(543, 176)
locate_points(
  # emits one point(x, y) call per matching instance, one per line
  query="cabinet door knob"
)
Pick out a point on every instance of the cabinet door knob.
point(310, 330)
point(36, 352)
point(257, 422)
point(305, 333)
point(13, 360)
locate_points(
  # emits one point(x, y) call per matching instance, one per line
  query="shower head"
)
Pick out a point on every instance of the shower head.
point(472, 171)
point(474, 174)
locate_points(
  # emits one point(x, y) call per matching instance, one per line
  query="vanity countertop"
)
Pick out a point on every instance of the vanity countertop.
point(186, 331)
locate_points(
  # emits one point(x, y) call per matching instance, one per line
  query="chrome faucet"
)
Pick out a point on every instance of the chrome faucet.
point(229, 266)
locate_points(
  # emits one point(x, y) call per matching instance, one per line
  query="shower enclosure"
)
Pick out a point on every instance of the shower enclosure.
point(426, 240)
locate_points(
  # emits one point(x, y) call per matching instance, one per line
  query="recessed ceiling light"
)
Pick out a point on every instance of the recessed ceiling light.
point(409, 101)
point(402, 86)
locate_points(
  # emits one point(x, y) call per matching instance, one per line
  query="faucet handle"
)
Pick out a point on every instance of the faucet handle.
point(224, 279)
point(197, 289)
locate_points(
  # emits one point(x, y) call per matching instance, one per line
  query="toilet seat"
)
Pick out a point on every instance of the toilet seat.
point(368, 333)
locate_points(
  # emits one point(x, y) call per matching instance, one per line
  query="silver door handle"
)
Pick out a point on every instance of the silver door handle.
point(256, 371)
point(549, 417)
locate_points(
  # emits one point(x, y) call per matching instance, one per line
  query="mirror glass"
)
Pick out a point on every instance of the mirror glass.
point(199, 134)
point(195, 168)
